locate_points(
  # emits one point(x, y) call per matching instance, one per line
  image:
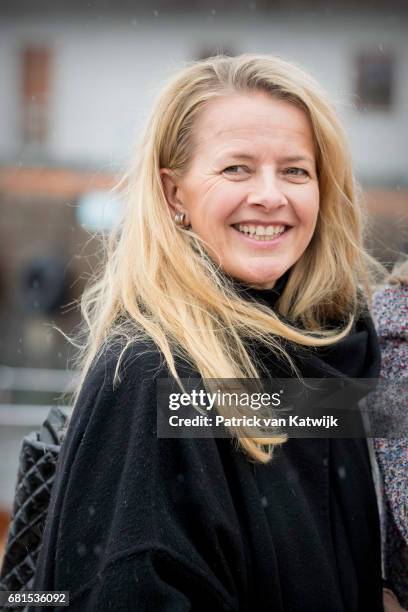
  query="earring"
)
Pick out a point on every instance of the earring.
point(179, 218)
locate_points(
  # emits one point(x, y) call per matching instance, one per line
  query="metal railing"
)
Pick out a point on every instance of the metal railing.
point(32, 381)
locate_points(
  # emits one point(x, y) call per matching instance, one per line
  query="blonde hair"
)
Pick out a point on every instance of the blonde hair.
point(157, 280)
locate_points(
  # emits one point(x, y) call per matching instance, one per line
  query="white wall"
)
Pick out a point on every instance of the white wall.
point(107, 71)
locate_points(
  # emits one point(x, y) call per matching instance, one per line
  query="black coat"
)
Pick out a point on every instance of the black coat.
point(144, 524)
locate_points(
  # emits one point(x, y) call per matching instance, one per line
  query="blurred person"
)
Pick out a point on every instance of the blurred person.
point(390, 309)
point(239, 256)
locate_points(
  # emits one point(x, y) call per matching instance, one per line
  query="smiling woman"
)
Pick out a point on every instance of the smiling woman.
point(255, 212)
point(239, 256)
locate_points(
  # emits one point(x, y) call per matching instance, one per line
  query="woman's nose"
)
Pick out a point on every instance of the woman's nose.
point(267, 191)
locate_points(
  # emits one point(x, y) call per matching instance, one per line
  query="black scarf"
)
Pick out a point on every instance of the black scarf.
point(356, 356)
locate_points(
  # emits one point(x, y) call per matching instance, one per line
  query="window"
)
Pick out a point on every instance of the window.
point(35, 94)
point(375, 81)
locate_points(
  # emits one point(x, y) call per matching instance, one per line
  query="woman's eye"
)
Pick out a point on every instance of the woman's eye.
point(237, 170)
point(298, 172)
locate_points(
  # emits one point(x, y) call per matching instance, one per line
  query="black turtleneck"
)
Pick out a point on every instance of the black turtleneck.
point(146, 524)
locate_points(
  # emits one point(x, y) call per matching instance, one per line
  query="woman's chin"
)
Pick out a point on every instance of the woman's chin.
point(260, 281)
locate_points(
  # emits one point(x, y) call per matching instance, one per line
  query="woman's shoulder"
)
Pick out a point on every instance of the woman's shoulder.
point(116, 413)
point(116, 360)
point(120, 377)
point(118, 364)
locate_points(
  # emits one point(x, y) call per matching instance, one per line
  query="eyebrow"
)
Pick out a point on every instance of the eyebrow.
point(287, 158)
point(298, 158)
point(236, 154)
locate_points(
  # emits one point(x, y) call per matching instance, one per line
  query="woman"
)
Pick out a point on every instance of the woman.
point(390, 309)
point(240, 255)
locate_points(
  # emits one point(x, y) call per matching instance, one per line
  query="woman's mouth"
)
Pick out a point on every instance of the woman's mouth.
point(261, 233)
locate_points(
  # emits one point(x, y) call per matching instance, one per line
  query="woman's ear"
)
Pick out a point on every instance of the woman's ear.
point(172, 195)
point(171, 190)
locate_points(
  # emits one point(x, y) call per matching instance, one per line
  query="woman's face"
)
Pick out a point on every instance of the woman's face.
point(251, 190)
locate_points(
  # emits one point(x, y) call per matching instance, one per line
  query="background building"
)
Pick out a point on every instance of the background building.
point(77, 83)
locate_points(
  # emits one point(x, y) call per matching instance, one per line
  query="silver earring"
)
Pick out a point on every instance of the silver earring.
point(179, 218)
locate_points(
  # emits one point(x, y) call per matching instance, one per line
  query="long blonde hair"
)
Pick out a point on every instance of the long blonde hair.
point(157, 280)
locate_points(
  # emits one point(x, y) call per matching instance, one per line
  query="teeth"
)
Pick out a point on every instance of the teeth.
point(261, 232)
